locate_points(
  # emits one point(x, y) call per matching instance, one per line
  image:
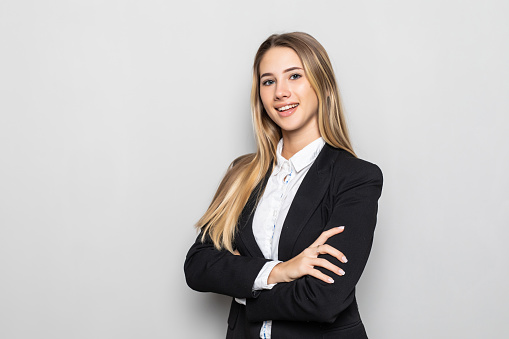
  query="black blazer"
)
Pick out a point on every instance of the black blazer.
point(338, 190)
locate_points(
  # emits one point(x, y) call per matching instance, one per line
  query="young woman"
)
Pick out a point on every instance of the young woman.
point(283, 221)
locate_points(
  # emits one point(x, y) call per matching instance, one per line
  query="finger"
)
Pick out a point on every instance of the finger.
point(328, 249)
point(326, 235)
point(319, 275)
point(327, 265)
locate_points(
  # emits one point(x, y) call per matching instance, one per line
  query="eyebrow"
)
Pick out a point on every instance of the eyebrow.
point(285, 71)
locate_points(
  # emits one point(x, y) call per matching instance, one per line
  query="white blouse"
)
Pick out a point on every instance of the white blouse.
point(273, 207)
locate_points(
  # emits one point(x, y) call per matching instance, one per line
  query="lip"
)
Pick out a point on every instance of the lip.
point(288, 112)
point(286, 104)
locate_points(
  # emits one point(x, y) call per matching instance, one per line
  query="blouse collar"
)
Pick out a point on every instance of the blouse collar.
point(302, 158)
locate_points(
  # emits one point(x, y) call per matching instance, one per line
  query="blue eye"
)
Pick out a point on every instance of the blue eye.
point(267, 82)
point(295, 76)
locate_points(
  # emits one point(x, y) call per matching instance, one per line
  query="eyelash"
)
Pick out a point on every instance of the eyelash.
point(294, 76)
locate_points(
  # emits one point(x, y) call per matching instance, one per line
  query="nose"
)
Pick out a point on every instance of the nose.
point(282, 90)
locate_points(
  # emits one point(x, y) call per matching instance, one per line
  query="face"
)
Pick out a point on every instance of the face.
point(286, 93)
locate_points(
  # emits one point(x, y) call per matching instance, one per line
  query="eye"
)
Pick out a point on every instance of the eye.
point(295, 76)
point(267, 82)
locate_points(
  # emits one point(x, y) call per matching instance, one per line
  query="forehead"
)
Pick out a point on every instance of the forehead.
point(277, 59)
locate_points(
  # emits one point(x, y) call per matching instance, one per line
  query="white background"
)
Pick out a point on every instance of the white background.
point(119, 118)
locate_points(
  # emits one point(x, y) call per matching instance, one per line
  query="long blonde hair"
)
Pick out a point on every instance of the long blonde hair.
point(220, 220)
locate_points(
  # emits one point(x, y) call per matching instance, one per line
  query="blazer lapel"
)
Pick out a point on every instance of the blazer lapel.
point(308, 197)
point(245, 226)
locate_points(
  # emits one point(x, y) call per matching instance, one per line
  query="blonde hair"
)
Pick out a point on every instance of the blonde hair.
point(219, 222)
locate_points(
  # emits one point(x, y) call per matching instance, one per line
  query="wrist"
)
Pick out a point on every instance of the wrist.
point(274, 276)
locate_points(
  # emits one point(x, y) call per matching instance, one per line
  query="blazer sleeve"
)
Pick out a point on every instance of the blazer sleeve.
point(310, 299)
point(210, 270)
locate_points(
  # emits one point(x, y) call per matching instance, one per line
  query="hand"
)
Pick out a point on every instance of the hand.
point(305, 263)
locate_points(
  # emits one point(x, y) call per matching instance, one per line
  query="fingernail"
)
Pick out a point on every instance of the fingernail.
point(331, 280)
point(341, 272)
point(341, 227)
point(344, 259)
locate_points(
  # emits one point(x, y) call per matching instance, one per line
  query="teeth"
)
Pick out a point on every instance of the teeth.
point(284, 108)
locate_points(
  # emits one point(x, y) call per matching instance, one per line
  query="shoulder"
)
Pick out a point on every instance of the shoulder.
point(349, 170)
point(241, 161)
point(347, 163)
point(236, 167)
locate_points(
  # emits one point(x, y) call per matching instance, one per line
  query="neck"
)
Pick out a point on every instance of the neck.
point(294, 142)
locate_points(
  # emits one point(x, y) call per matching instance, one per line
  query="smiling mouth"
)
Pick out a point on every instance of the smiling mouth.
point(287, 107)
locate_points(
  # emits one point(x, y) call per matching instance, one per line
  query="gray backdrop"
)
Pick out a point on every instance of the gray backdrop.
point(119, 118)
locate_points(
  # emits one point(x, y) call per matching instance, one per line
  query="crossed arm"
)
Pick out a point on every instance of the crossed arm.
point(303, 291)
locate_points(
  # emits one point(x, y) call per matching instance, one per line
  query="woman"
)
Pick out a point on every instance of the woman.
point(271, 236)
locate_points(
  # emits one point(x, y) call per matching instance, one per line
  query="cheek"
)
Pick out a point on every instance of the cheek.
point(312, 98)
point(265, 97)
point(315, 101)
